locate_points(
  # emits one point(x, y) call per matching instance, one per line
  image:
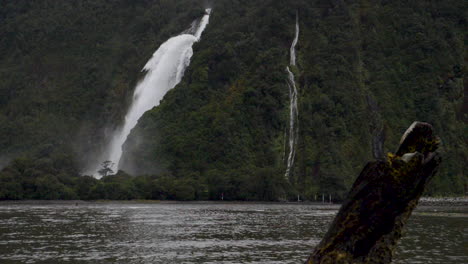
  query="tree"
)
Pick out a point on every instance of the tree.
point(370, 221)
point(106, 168)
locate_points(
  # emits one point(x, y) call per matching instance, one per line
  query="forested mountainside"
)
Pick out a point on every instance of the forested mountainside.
point(365, 71)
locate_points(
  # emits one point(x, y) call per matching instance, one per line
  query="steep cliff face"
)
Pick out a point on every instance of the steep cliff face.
point(365, 70)
point(224, 123)
point(68, 68)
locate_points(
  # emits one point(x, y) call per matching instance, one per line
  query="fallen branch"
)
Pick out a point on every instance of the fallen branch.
point(370, 221)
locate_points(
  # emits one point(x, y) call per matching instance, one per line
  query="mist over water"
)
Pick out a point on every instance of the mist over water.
point(293, 109)
point(163, 72)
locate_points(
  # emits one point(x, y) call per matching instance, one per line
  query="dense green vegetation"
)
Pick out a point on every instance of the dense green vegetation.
point(67, 68)
point(55, 178)
point(366, 70)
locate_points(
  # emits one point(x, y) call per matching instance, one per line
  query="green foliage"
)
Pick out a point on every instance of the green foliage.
point(28, 178)
point(360, 68)
point(68, 69)
point(67, 72)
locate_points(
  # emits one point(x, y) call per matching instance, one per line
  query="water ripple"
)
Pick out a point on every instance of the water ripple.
point(199, 233)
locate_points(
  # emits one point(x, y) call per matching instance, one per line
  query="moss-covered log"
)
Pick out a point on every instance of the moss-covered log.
point(370, 221)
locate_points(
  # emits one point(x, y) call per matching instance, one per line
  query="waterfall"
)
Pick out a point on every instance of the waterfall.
point(163, 72)
point(293, 109)
point(293, 117)
point(292, 50)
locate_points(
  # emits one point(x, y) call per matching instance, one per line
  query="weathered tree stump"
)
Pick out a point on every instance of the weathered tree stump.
point(370, 221)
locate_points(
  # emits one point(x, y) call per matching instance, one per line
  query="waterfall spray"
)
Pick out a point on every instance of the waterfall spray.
point(163, 72)
point(293, 109)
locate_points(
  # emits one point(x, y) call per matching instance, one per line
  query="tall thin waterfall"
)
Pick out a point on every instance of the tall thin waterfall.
point(292, 50)
point(164, 71)
point(293, 110)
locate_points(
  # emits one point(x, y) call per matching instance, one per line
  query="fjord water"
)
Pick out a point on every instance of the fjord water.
point(293, 109)
point(65, 232)
point(163, 72)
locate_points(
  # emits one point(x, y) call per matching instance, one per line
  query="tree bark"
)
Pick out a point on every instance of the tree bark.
point(370, 221)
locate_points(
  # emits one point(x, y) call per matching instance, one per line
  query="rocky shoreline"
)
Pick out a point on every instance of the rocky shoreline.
point(443, 201)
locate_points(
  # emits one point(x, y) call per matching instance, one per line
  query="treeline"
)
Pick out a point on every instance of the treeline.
point(52, 179)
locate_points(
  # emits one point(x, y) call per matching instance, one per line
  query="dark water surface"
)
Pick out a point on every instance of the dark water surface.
point(58, 232)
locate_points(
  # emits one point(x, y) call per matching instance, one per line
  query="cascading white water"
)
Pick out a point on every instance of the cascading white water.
point(292, 50)
point(293, 109)
point(293, 117)
point(164, 71)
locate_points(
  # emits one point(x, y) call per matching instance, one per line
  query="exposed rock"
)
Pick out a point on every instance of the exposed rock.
point(370, 221)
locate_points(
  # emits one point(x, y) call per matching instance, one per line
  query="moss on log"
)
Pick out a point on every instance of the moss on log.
point(370, 221)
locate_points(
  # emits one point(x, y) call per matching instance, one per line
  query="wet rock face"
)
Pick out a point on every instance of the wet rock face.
point(370, 221)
